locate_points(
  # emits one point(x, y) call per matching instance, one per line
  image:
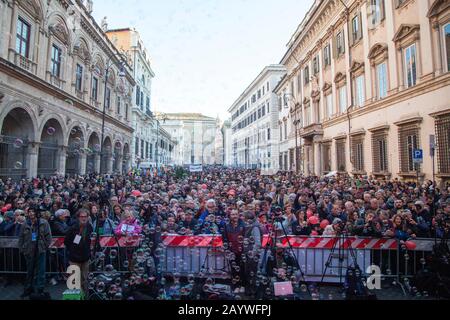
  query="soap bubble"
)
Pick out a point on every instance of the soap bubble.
point(18, 165)
point(18, 143)
point(51, 131)
point(113, 254)
point(100, 287)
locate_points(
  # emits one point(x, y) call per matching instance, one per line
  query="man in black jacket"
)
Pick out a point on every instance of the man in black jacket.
point(78, 245)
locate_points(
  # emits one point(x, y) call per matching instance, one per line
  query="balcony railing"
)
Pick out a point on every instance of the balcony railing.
point(311, 130)
point(79, 94)
point(25, 63)
point(56, 81)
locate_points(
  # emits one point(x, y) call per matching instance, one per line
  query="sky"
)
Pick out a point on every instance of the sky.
point(206, 52)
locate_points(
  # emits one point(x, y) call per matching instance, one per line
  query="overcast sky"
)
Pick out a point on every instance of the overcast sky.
point(206, 52)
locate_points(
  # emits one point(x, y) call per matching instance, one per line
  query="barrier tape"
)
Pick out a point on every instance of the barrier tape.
point(58, 242)
point(303, 242)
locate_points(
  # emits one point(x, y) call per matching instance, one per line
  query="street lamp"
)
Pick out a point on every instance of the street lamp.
point(122, 74)
point(296, 123)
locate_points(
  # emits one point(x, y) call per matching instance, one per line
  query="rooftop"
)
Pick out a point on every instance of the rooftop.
point(184, 116)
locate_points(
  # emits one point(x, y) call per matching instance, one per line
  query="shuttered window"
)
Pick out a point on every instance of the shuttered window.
point(380, 152)
point(326, 156)
point(340, 155)
point(408, 142)
point(443, 143)
point(358, 153)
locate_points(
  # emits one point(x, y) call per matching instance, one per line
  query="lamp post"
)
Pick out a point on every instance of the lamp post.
point(296, 123)
point(109, 64)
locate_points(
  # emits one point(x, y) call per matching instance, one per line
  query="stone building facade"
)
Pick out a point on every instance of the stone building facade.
point(370, 82)
point(58, 73)
point(195, 135)
point(143, 148)
point(254, 122)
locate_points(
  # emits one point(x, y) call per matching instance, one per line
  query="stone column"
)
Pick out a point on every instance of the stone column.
point(317, 157)
point(82, 163)
point(109, 164)
point(97, 163)
point(32, 160)
point(62, 156)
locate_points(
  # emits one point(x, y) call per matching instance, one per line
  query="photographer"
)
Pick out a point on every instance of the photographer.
point(233, 236)
point(252, 244)
point(300, 226)
point(334, 229)
point(34, 240)
point(78, 245)
point(103, 226)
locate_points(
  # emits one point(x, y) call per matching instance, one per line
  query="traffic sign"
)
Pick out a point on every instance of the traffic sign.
point(418, 156)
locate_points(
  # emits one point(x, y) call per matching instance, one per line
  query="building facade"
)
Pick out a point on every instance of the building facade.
point(227, 144)
point(143, 148)
point(61, 79)
point(195, 135)
point(254, 122)
point(369, 81)
point(219, 145)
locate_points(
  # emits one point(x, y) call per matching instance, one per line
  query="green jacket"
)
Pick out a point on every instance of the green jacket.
point(27, 246)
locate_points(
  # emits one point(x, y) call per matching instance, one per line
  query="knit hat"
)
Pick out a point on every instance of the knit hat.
point(9, 214)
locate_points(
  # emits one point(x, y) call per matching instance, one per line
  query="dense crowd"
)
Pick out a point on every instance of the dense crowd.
point(238, 204)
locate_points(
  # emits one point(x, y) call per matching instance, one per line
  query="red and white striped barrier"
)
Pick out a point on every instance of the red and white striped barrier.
point(303, 242)
point(105, 242)
point(329, 243)
point(192, 241)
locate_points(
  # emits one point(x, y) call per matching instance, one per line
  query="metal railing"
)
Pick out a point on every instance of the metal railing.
point(395, 260)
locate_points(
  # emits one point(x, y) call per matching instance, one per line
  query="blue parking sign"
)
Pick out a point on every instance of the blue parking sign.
point(418, 156)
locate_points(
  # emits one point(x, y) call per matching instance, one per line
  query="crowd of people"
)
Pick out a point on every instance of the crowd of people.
point(241, 205)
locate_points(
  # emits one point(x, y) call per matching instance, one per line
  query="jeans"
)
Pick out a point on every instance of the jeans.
point(35, 272)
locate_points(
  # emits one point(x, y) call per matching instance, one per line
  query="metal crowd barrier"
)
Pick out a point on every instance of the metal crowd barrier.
point(114, 251)
point(204, 256)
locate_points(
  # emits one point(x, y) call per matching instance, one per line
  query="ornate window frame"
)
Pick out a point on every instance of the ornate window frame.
point(406, 36)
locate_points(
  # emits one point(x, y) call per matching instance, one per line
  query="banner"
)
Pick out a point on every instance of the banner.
point(196, 168)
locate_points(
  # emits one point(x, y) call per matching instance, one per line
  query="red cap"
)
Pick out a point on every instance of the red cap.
point(6, 208)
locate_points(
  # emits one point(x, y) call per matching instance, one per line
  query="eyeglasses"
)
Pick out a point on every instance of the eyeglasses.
point(83, 216)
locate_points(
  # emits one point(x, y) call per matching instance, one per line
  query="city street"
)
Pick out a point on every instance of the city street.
point(225, 150)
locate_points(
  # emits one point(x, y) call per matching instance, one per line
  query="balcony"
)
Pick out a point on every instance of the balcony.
point(79, 94)
point(55, 81)
point(25, 63)
point(311, 130)
point(95, 103)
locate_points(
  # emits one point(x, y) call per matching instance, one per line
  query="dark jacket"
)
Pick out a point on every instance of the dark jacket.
point(6, 228)
point(59, 228)
point(79, 253)
point(26, 245)
point(231, 235)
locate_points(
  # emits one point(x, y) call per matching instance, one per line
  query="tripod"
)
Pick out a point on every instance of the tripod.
point(208, 255)
point(272, 246)
point(340, 242)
